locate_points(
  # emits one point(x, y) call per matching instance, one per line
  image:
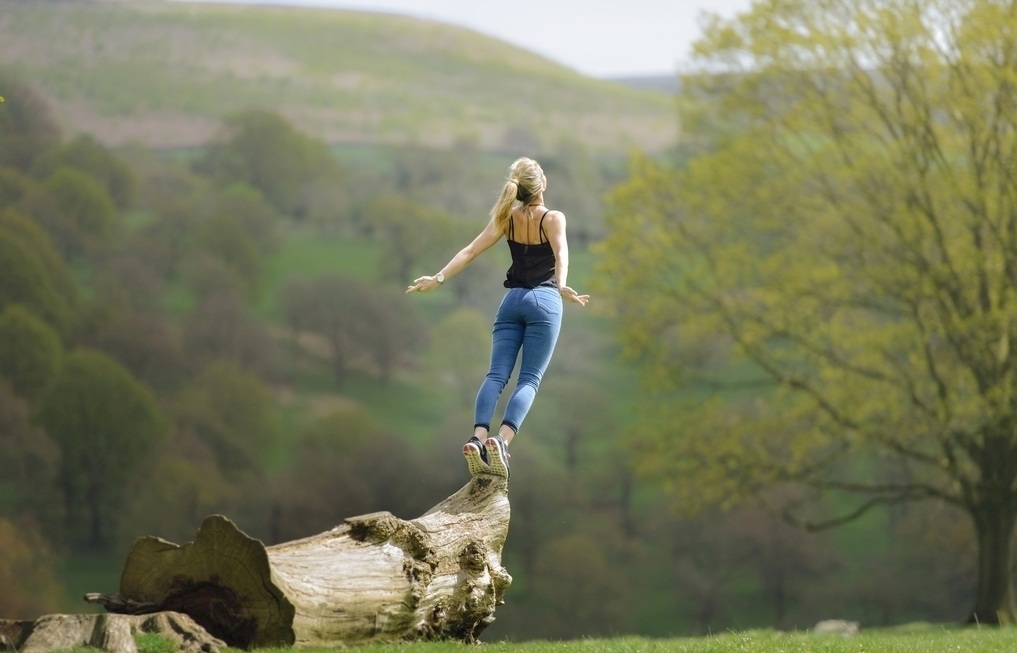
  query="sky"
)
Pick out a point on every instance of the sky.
point(598, 38)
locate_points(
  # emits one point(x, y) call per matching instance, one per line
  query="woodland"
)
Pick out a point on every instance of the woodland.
point(221, 329)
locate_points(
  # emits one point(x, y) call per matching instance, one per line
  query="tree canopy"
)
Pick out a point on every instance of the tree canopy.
point(263, 150)
point(830, 279)
point(105, 422)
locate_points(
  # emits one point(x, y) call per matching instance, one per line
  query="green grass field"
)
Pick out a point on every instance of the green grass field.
point(924, 639)
point(911, 639)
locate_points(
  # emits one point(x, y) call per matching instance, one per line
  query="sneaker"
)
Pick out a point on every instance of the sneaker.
point(498, 456)
point(476, 457)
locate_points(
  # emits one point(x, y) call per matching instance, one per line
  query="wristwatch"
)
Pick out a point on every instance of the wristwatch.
point(440, 278)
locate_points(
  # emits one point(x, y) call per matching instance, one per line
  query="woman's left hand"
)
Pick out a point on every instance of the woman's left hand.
point(574, 297)
point(423, 284)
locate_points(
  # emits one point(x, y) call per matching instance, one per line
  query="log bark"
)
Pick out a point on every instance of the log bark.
point(108, 632)
point(373, 578)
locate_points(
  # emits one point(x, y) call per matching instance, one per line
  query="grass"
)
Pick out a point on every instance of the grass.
point(917, 639)
point(307, 254)
point(921, 638)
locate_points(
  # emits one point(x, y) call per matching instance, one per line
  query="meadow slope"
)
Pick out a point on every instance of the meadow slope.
point(163, 74)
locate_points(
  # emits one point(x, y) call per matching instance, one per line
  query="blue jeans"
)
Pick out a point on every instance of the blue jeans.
point(527, 320)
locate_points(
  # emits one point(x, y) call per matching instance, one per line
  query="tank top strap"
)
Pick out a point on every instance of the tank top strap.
point(543, 236)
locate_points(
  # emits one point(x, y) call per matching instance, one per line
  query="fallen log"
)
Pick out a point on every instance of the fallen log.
point(114, 633)
point(373, 578)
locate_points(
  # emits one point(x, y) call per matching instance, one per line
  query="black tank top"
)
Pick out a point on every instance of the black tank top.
point(532, 265)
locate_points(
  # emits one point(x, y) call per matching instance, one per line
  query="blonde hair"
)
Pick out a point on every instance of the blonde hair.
point(525, 181)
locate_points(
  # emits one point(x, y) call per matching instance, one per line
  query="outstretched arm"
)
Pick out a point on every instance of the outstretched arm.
point(554, 227)
point(484, 240)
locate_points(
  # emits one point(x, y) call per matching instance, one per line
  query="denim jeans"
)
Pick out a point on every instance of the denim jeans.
point(528, 320)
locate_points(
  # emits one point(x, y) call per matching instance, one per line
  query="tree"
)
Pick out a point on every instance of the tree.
point(232, 412)
point(30, 351)
point(75, 210)
point(146, 344)
point(222, 328)
point(263, 150)
point(105, 422)
point(225, 238)
point(357, 324)
point(30, 280)
point(13, 186)
point(461, 354)
point(29, 463)
point(88, 156)
point(26, 572)
point(412, 233)
point(26, 127)
point(830, 280)
point(326, 478)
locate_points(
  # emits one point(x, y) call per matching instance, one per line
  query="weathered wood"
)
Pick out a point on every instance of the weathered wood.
point(108, 632)
point(374, 577)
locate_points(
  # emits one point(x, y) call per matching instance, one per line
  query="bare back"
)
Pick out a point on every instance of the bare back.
point(526, 225)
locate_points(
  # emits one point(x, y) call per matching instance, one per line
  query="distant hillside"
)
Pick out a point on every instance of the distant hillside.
point(666, 83)
point(165, 73)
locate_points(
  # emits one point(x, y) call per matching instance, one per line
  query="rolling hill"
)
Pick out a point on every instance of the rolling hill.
point(163, 74)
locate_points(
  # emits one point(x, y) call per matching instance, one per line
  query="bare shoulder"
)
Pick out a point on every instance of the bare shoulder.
point(554, 218)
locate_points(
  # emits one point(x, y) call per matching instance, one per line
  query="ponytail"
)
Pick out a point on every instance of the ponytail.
point(526, 180)
point(502, 209)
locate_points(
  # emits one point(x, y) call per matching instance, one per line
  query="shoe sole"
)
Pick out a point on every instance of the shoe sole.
point(497, 462)
point(474, 461)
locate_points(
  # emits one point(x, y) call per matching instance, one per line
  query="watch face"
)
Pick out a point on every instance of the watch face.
point(440, 277)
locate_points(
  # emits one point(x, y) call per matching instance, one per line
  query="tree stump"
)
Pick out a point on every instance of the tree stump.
point(373, 578)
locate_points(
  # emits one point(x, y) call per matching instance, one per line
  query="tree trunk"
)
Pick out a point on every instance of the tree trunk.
point(993, 595)
point(372, 578)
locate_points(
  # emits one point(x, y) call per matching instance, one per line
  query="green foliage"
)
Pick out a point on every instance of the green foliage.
point(26, 127)
point(263, 150)
point(259, 219)
point(29, 462)
point(75, 210)
point(360, 324)
point(226, 239)
point(184, 473)
point(89, 157)
point(30, 351)
point(232, 412)
point(460, 351)
point(326, 476)
point(32, 275)
point(147, 344)
point(105, 422)
point(841, 263)
point(413, 233)
point(13, 186)
point(38, 242)
point(26, 572)
point(223, 328)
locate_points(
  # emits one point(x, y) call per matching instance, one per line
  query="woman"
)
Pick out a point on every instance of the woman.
point(529, 317)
